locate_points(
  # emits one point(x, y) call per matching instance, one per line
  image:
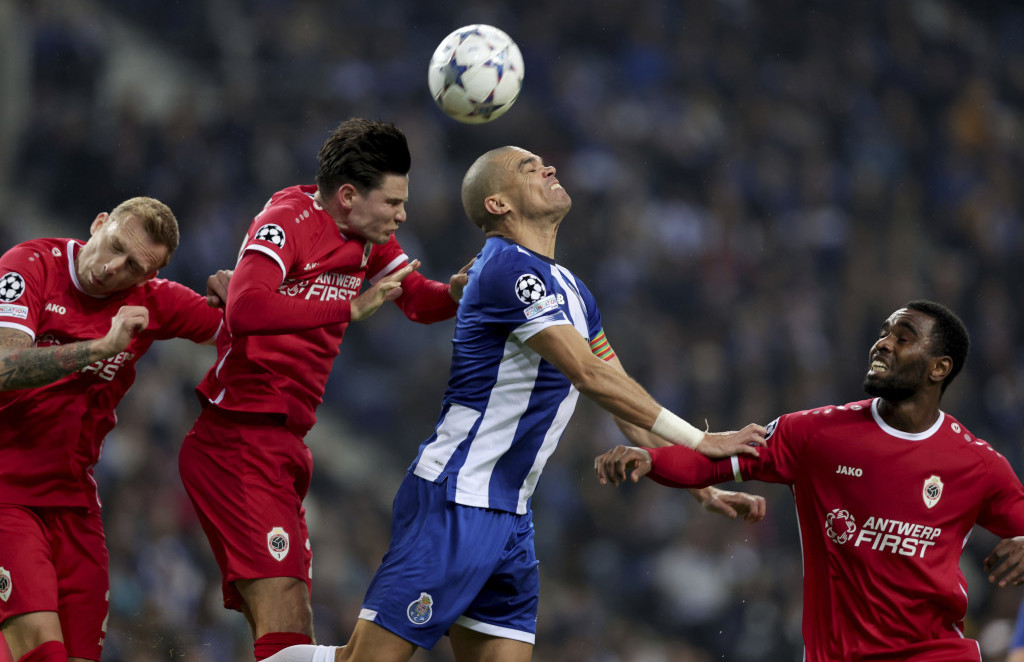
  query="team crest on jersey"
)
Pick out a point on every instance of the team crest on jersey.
point(840, 525)
point(530, 289)
point(770, 429)
point(273, 233)
point(12, 286)
point(5, 584)
point(277, 543)
point(420, 611)
point(932, 491)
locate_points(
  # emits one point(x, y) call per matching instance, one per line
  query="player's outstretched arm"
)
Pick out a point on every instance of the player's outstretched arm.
point(610, 387)
point(25, 366)
point(1005, 564)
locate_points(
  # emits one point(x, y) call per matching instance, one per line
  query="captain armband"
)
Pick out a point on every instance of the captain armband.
point(601, 347)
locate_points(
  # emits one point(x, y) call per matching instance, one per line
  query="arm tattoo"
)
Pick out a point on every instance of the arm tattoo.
point(29, 367)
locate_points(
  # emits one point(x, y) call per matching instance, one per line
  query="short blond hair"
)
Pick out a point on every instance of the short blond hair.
point(157, 220)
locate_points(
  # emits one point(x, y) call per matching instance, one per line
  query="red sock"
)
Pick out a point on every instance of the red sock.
point(51, 651)
point(273, 642)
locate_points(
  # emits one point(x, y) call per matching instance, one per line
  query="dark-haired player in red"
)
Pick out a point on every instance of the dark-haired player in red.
point(316, 258)
point(887, 491)
point(74, 319)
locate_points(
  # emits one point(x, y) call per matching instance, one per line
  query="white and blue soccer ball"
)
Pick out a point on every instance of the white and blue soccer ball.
point(476, 73)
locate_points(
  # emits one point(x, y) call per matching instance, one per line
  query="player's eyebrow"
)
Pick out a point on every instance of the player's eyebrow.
point(529, 160)
point(902, 324)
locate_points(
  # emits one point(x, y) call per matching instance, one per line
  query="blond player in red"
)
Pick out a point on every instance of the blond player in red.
point(887, 491)
point(315, 259)
point(74, 319)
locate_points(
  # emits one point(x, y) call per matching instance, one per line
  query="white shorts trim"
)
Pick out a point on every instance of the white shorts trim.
point(493, 630)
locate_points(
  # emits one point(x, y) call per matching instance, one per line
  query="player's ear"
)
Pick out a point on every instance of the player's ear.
point(346, 195)
point(496, 205)
point(940, 368)
point(98, 222)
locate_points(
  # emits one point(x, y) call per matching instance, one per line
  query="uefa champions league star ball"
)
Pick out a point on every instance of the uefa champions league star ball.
point(476, 73)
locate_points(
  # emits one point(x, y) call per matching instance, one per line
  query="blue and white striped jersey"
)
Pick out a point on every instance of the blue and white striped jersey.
point(505, 408)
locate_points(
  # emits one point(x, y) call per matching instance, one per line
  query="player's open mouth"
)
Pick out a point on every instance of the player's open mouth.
point(555, 185)
point(878, 366)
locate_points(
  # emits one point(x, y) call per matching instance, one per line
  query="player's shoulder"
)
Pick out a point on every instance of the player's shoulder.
point(47, 249)
point(957, 434)
point(49, 259)
point(290, 207)
point(501, 254)
point(824, 416)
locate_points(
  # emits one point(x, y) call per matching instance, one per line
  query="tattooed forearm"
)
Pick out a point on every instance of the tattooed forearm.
point(37, 366)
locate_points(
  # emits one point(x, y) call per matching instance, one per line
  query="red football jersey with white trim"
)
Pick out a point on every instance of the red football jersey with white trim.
point(884, 516)
point(286, 372)
point(52, 435)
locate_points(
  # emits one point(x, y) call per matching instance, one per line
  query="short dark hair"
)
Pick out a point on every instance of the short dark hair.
point(949, 335)
point(360, 152)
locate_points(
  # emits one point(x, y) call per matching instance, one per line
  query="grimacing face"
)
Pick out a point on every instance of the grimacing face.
point(119, 255)
point(376, 215)
point(533, 187)
point(899, 359)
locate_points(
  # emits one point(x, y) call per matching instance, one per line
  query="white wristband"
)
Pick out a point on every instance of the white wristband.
point(675, 429)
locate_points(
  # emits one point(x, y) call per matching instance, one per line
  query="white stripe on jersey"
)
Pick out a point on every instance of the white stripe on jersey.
point(506, 405)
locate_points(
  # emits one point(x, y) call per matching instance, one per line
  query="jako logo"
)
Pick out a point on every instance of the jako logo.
point(54, 308)
point(849, 471)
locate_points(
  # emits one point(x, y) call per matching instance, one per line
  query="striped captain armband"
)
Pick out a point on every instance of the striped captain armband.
point(601, 347)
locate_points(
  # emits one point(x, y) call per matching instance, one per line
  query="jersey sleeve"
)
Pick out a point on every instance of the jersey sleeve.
point(275, 234)
point(520, 296)
point(182, 313)
point(423, 300)
point(1002, 512)
point(678, 466)
point(255, 307)
point(22, 289)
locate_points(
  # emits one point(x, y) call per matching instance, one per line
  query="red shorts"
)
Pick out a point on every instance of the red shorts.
point(57, 561)
point(247, 475)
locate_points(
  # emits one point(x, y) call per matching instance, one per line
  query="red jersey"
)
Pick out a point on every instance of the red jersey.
point(289, 305)
point(884, 516)
point(51, 436)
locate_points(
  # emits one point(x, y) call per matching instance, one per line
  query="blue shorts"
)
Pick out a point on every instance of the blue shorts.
point(451, 564)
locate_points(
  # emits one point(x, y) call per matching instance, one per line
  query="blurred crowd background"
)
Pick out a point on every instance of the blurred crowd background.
point(756, 186)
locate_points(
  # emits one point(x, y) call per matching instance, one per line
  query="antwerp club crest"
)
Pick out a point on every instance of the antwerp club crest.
point(932, 491)
point(420, 611)
point(277, 543)
point(840, 525)
point(5, 584)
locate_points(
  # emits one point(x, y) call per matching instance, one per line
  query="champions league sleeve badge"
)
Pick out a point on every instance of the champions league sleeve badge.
point(272, 233)
point(12, 286)
point(420, 611)
point(932, 491)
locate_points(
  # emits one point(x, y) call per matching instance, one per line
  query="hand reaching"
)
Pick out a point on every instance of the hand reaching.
point(727, 444)
point(388, 288)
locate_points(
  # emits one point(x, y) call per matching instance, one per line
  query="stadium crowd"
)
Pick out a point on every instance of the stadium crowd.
point(761, 183)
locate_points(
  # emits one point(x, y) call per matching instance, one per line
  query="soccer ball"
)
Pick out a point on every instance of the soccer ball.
point(476, 73)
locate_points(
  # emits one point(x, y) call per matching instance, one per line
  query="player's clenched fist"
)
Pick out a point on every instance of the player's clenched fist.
point(622, 461)
point(128, 321)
